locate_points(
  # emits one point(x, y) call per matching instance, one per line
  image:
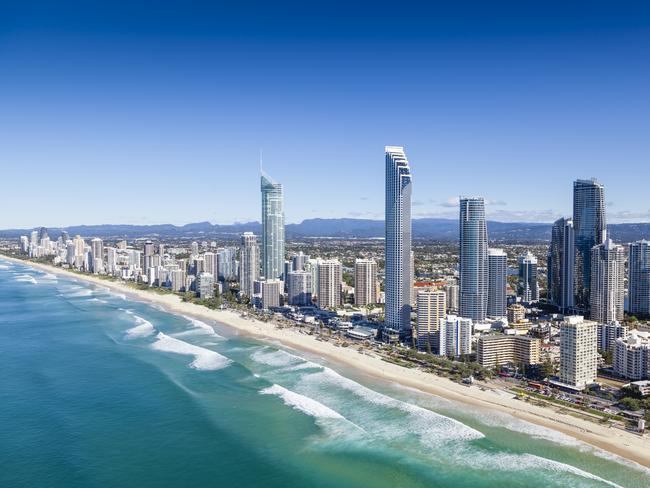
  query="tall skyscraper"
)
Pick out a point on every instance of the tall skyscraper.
point(249, 263)
point(365, 282)
point(272, 228)
point(330, 274)
point(561, 265)
point(399, 279)
point(590, 226)
point(430, 308)
point(473, 266)
point(97, 252)
point(497, 282)
point(528, 287)
point(607, 282)
point(639, 278)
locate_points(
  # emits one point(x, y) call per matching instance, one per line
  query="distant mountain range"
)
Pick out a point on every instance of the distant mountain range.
point(437, 229)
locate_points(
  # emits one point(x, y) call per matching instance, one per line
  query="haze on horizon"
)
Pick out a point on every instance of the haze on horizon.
point(140, 114)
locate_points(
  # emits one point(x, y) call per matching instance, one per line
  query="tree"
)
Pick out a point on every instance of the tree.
point(629, 403)
point(547, 370)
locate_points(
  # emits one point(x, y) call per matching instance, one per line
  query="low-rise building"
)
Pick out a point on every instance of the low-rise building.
point(500, 349)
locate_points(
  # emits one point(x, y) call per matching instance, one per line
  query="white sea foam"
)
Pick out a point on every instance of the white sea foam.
point(300, 402)
point(99, 300)
point(26, 279)
point(432, 428)
point(143, 329)
point(49, 276)
point(280, 358)
point(4, 266)
point(83, 292)
point(204, 359)
point(522, 462)
point(199, 328)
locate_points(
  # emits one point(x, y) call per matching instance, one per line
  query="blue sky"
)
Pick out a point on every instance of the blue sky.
point(140, 112)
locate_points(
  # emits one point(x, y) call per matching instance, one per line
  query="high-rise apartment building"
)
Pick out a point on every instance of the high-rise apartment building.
point(561, 265)
point(272, 228)
point(249, 263)
point(452, 291)
point(589, 224)
point(528, 287)
point(271, 290)
point(607, 291)
point(399, 280)
point(205, 285)
point(473, 266)
point(578, 352)
point(497, 283)
point(639, 278)
point(632, 356)
point(430, 307)
point(97, 252)
point(454, 336)
point(299, 288)
point(365, 282)
point(330, 274)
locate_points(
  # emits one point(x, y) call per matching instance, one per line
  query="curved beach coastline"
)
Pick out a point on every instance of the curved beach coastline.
point(625, 444)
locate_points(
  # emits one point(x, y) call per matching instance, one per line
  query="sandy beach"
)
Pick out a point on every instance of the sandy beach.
point(625, 444)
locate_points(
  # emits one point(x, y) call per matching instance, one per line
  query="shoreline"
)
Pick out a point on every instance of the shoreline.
point(616, 441)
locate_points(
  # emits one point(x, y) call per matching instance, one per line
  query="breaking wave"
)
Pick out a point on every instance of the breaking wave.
point(143, 329)
point(204, 359)
point(300, 402)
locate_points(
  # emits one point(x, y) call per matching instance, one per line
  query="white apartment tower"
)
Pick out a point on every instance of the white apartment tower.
point(578, 352)
point(249, 263)
point(607, 290)
point(365, 282)
point(330, 274)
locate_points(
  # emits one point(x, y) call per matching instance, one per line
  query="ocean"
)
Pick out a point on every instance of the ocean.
point(100, 390)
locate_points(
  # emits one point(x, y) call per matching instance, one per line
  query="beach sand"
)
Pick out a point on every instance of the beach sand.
point(616, 441)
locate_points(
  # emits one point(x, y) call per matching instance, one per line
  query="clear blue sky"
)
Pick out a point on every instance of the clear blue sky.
point(112, 112)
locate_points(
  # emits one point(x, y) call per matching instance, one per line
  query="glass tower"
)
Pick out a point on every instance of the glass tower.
point(589, 230)
point(272, 228)
point(399, 279)
point(561, 265)
point(473, 266)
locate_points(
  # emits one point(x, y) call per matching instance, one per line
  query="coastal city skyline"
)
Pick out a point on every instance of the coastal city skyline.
point(327, 244)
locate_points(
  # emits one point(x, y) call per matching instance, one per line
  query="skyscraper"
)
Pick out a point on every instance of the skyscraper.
point(473, 266)
point(528, 287)
point(97, 252)
point(561, 265)
point(365, 282)
point(249, 263)
point(497, 282)
point(399, 280)
point(639, 278)
point(272, 228)
point(607, 282)
point(590, 229)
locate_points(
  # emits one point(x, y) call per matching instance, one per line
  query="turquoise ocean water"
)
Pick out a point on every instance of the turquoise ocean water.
point(98, 390)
